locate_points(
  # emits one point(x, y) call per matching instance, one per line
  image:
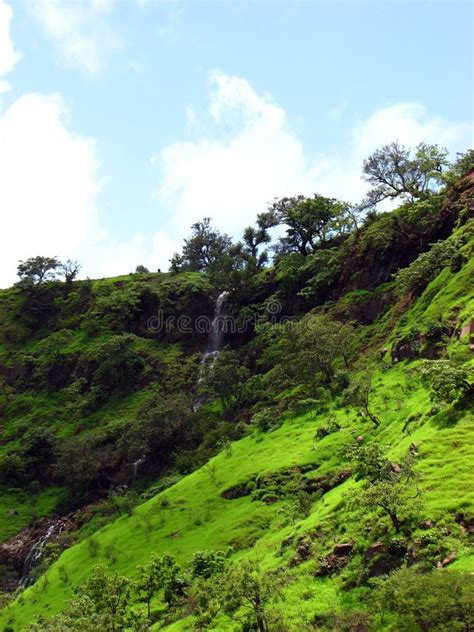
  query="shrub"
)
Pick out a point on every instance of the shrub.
point(445, 381)
point(415, 277)
point(438, 601)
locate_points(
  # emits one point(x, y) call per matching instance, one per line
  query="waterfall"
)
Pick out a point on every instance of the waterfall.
point(216, 334)
point(135, 466)
point(37, 552)
point(214, 345)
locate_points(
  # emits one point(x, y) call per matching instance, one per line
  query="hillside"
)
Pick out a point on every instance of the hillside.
point(307, 461)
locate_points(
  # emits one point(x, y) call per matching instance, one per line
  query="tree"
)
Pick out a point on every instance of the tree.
point(69, 270)
point(244, 587)
point(438, 601)
point(203, 249)
point(162, 572)
point(249, 248)
point(445, 380)
point(394, 172)
point(359, 394)
point(141, 270)
point(111, 596)
point(311, 347)
point(310, 222)
point(225, 379)
point(37, 270)
point(206, 563)
point(387, 486)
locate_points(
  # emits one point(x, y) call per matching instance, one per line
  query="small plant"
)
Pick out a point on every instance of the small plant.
point(93, 546)
point(111, 553)
point(63, 574)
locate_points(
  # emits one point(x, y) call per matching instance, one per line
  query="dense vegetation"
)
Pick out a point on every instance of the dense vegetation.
point(314, 474)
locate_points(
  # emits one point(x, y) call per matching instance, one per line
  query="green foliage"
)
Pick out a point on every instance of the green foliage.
point(225, 378)
point(311, 347)
point(37, 270)
point(415, 277)
point(387, 487)
point(358, 395)
point(394, 172)
point(117, 366)
point(438, 601)
point(445, 380)
point(114, 309)
point(206, 563)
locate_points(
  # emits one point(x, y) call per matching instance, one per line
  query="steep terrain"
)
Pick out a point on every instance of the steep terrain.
point(284, 487)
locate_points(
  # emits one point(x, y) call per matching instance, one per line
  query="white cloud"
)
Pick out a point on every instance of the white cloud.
point(50, 196)
point(246, 154)
point(79, 29)
point(8, 55)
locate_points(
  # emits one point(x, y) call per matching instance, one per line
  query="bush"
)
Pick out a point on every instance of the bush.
point(438, 601)
point(427, 266)
point(445, 381)
point(117, 367)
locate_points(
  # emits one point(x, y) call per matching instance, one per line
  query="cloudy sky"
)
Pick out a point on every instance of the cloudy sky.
point(124, 121)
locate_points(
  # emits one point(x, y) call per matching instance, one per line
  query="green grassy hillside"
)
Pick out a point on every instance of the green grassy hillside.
point(266, 468)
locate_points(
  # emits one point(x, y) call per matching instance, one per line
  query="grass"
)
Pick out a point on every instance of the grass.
point(193, 515)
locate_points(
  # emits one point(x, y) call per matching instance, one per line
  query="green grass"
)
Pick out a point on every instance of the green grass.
point(193, 515)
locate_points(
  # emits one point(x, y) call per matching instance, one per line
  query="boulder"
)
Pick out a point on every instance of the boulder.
point(343, 548)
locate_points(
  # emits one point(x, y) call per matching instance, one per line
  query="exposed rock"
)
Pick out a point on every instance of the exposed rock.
point(304, 549)
point(467, 331)
point(381, 559)
point(343, 548)
point(330, 564)
point(15, 551)
point(236, 491)
point(12, 512)
point(427, 524)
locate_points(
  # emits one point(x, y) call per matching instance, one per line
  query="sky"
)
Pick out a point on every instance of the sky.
point(122, 122)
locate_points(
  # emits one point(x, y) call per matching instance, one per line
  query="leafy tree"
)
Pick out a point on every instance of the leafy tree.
point(463, 165)
point(438, 601)
point(310, 222)
point(160, 426)
point(387, 487)
point(358, 395)
point(396, 171)
point(37, 270)
point(244, 587)
point(445, 380)
point(250, 247)
point(141, 270)
point(69, 270)
point(115, 309)
point(203, 249)
point(311, 347)
point(225, 379)
point(368, 461)
point(206, 563)
point(162, 572)
point(111, 596)
point(117, 366)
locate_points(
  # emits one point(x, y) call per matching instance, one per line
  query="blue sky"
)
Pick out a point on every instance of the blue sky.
point(123, 121)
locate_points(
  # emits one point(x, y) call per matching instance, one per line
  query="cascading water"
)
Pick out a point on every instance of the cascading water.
point(215, 342)
point(38, 551)
point(216, 335)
